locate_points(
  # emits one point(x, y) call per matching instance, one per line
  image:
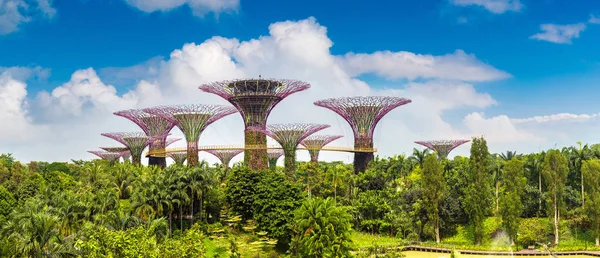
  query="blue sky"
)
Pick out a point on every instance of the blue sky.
point(98, 34)
point(555, 72)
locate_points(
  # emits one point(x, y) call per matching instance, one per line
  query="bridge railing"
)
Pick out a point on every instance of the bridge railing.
point(163, 152)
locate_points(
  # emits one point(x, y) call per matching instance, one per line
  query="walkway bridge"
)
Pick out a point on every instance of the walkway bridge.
point(163, 153)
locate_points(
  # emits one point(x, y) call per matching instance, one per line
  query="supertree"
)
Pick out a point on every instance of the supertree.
point(192, 120)
point(442, 147)
point(178, 157)
point(126, 154)
point(274, 155)
point(254, 99)
point(363, 114)
point(289, 136)
point(152, 125)
point(315, 143)
point(136, 142)
point(225, 155)
point(110, 156)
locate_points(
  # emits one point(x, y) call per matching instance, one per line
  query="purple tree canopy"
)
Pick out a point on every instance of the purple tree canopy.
point(362, 113)
point(255, 98)
point(442, 147)
point(290, 135)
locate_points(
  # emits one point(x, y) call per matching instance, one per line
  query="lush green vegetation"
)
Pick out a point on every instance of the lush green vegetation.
point(504, 201)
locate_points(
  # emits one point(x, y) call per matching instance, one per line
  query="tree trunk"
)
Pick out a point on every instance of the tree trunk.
point(597, 240)
point(437, 231)
point(170, 222)
point(335, 193)
point(192, 209)
point(181, 217)
point(201, 204)
point(540, 193)
point(497, 198)
point(556, 214)
point(582, 193)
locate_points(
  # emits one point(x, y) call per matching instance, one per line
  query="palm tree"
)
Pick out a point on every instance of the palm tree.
point(576, 156)
point(534, 166)
point(419, 156)
point(509, 155)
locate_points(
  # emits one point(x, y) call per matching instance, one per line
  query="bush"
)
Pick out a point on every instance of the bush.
point(321, 229)
point(241, 189)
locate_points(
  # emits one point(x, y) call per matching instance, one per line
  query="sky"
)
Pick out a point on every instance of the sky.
point(522, 73)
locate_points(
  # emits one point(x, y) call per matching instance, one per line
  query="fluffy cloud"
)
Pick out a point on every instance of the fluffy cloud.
point(199, 7)
point(67, 120)
point(494, 6)
point(560, 34)
point(395, 65)
point(13, 13)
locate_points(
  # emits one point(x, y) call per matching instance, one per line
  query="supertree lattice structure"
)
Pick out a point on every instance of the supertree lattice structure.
point(225, 155)
point(110, 156)
point(363, 114)
point(178, 157)
point(192, 120)
point(126, 154)
point(274, 155)
point(315, 143)
point(255, 99)
point(153, 126)
point(442, 147)
point(136, 142)
point(289, 136)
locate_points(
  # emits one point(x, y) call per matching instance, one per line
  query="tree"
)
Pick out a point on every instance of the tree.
point(321, 229)
point(591, 171)
point(555, 169)
point(434, 188)
point(534, 166)
point(275, 201)
point(479, 191)
point(513, 187)
point(577, 156)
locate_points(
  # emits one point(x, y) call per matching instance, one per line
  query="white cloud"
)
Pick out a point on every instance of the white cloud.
point(199, 7)
point(594, 19)
point(494, 6)
point(562, 117)
point(396, 65)
point(67, 120)
point(560, 34)
point(14, 13)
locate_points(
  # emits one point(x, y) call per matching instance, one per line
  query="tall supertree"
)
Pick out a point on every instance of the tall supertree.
point(274, 155)
point(442, 147)
point(289, 136)
point(153, 126)
point(126, 154)
point(363, 114)
point(136, 142)
point(178, 157)
point(110, 156)
point(225, 156)
point(315, 143)
point(192, 120)
point(254, 99)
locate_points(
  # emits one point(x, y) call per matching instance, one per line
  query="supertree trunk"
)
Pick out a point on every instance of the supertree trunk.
point(362, 159)
point(272, 164)
point(256, 158)
point(314, 156)
point(192, 154)
point(157, 161)
point(136, 159)
point(289, 161)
